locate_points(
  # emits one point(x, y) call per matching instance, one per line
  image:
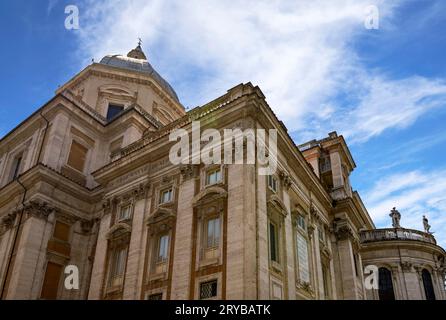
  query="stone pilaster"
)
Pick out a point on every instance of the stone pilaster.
point(183, 237)
point(99, 267)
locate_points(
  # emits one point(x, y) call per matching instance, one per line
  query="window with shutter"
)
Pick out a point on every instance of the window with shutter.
point(51, 281)
point(77, 156)
point(61, 231)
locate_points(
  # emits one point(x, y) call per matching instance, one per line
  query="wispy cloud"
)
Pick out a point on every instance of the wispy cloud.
point(299, 52)
point(302, 55)
point(415, 194)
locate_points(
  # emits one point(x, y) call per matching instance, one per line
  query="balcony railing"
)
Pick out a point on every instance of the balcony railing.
point(396, 234)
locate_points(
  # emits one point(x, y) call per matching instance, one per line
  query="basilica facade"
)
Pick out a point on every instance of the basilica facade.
point(87, 184)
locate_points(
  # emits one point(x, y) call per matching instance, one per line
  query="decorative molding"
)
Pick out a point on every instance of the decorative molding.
point(120, 232)
point(38, 209)
point(310, 231)
point(8, 221)
point(407, 266)
point(161, 220)
point(139, 192)
point(343, 232)
point(87, 225)
point(287, 181)
point(305, 286)
point(208, 195)
point(136, 193)
point(189, 171)
point(275, 203)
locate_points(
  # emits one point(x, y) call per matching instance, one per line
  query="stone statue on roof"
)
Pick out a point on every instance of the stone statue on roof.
point(396, 217)
point(426, 225)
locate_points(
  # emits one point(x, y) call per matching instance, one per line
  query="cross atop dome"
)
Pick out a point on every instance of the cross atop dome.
point(137, 53)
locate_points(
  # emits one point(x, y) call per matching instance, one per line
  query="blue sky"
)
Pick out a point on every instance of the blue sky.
point(320, 68)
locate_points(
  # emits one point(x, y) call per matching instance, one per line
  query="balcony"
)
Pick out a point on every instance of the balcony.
point(396, 234)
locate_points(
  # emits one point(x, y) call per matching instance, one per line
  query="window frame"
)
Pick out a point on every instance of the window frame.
point(301, 222)
point(83, 145)
point(17, 166)
point(207, 282)
point(273, 184)
point(276, 236)
point(167, 249)
point(158, 294)
point(113, 265)
point(116, 105)
point(168, 190)
point(119, 217)
point(210, 172)
point(206, 233)
point(56, 223)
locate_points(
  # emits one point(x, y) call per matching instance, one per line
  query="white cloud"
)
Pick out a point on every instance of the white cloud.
point(414, 194)
point(302, 56)
point(390, 104)
point(299, 52)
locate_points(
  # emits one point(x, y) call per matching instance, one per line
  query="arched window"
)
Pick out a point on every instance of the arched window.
point(428, 286)
point(385, 285)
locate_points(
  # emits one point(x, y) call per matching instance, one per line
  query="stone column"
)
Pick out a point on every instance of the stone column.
point(181, 272)
point(346, 263)
point(319, 279)
point(236, 239)
point(29, 250)
point(262, 241)
point(289, 246)
point(415, 285)
point(98, 272)
point(136, 251)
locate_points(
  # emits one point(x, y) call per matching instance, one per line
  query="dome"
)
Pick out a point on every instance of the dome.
point(137, 61)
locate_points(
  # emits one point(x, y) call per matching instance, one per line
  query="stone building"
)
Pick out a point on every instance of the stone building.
point(86, 181)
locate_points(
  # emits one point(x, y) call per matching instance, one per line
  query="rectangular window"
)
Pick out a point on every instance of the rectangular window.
point(113, 111)
point(213, 233)
point(213, 177)
point(156, 296)
point(77, 156)
point(124, 213)
point(166, 196)
point(301, 222)
point(117, 266)
point(208, 289)
point(16, 166)
point(273, 242)
point(163, 248)
point(272, 183)
point(61, 231)
point(51, 281)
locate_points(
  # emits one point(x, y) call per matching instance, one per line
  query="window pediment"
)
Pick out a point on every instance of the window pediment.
point(114, 90)
point(208, 195)
point(159, 215)
point(119, 230)
point(277, 205)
